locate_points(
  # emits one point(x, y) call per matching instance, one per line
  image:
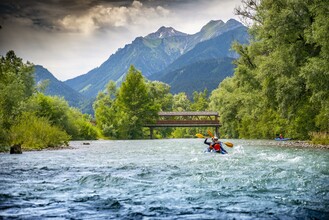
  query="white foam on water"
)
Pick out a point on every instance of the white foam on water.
point(239, 149)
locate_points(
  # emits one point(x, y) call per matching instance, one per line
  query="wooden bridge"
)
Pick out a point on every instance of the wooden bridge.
point(186, 119)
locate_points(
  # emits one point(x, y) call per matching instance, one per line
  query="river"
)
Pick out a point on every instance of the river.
point(166, 179)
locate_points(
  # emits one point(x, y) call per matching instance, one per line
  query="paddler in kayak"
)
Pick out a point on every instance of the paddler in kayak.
point(215, 145)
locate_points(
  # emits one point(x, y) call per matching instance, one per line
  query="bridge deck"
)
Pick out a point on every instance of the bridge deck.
point(185, 123)
point(186, 119)
point(168, 114)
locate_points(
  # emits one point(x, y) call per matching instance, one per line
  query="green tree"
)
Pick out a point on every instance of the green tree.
point(200, 101)
point(281, 80)
point(181, 102)
point(159, 92)
point(136, 106)
point(105, 111)
point(59, 114)
point(80, 127)
point(16, 86)
point(35, 133)
point(115, 108)
point(53, 108)
point(32, 119)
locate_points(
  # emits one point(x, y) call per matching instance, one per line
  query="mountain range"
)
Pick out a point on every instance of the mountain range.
point(168, 52)
point(187, 62)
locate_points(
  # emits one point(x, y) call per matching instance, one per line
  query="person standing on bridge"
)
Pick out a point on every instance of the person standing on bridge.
point(215, 145)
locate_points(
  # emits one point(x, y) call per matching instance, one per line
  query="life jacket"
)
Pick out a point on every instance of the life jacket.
point(216, 146)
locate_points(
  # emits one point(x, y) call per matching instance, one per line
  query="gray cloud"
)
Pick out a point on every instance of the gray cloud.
point(103, 16)
point(72, 37)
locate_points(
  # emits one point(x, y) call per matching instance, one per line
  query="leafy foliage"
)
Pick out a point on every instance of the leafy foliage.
point(281, 82)
point(32, 119)
point(320, 138)
point(160, 95)
point(61, 115)
point(200, 101)
point(16, 86)
point(105, 110)
point(136, 103)
point(122, 113)
point(49, 85)
point(181, 102)
point(35, 133)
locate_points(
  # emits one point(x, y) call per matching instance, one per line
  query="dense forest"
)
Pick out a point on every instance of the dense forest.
point(280, 85)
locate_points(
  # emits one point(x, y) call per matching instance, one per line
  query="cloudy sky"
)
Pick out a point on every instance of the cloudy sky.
point(71, 37)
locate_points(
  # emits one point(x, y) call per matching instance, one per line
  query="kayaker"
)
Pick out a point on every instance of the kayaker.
point(281, 136)
point(215, 145)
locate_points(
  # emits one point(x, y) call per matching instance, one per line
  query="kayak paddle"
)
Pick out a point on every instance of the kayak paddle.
point(229, 144)
point(200, 135)
point(210, 134)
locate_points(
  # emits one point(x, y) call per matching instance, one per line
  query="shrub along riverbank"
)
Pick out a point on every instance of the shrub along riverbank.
point(320, 138)
point(31, 120)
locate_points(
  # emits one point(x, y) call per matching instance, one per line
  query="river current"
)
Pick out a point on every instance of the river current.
point(166, 179)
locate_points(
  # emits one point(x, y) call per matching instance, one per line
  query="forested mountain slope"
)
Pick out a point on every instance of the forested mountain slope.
point(54, 87)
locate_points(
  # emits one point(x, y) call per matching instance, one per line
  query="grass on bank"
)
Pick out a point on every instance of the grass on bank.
point(34, 133)
point(321, 138)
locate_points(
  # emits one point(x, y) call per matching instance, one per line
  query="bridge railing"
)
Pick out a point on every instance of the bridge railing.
point(186, 119)
point(185, 122)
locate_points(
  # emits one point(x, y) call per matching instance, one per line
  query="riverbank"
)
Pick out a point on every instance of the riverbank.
point(290, 143)
point(303, 144)
point(7, 149)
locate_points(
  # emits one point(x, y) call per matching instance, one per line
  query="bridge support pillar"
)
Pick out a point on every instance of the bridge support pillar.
point(151, 133)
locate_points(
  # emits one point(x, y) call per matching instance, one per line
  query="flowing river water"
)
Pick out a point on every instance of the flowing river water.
point(166, 179)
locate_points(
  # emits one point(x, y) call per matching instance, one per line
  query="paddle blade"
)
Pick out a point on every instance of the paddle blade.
point(210, 134)
point(229, 144)
point(199, 135)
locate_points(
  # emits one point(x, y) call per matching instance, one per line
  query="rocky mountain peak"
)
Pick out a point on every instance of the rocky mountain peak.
point(233, 23)
point(217, 27)
point(162, 52)
point(164, 32)
point(212, 25)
